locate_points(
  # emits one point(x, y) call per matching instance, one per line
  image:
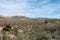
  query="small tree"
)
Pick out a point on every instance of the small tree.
point(46, 21)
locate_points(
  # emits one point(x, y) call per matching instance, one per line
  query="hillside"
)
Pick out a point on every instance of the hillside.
point(24, 28)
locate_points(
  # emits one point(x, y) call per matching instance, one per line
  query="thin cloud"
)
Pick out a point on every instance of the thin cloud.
point(30, 8)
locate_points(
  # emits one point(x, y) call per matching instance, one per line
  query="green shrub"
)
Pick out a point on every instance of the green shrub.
point(5, 37)
point(7, 28)
point(15, 31)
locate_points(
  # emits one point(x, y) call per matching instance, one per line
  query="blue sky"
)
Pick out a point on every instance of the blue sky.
point(30, 8)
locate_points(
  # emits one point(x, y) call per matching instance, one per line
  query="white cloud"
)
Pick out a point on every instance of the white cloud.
point(24, 14)
point(43, 2)
point(46, 9)
point(8, 5)
point(25, 8)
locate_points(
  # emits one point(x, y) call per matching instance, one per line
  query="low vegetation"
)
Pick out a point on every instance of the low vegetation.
point(23, 28)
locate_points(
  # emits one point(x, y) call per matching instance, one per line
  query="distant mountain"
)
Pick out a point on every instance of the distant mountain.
point(23, 20)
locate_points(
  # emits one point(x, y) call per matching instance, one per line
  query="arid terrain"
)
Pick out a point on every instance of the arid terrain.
point(24, 28)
